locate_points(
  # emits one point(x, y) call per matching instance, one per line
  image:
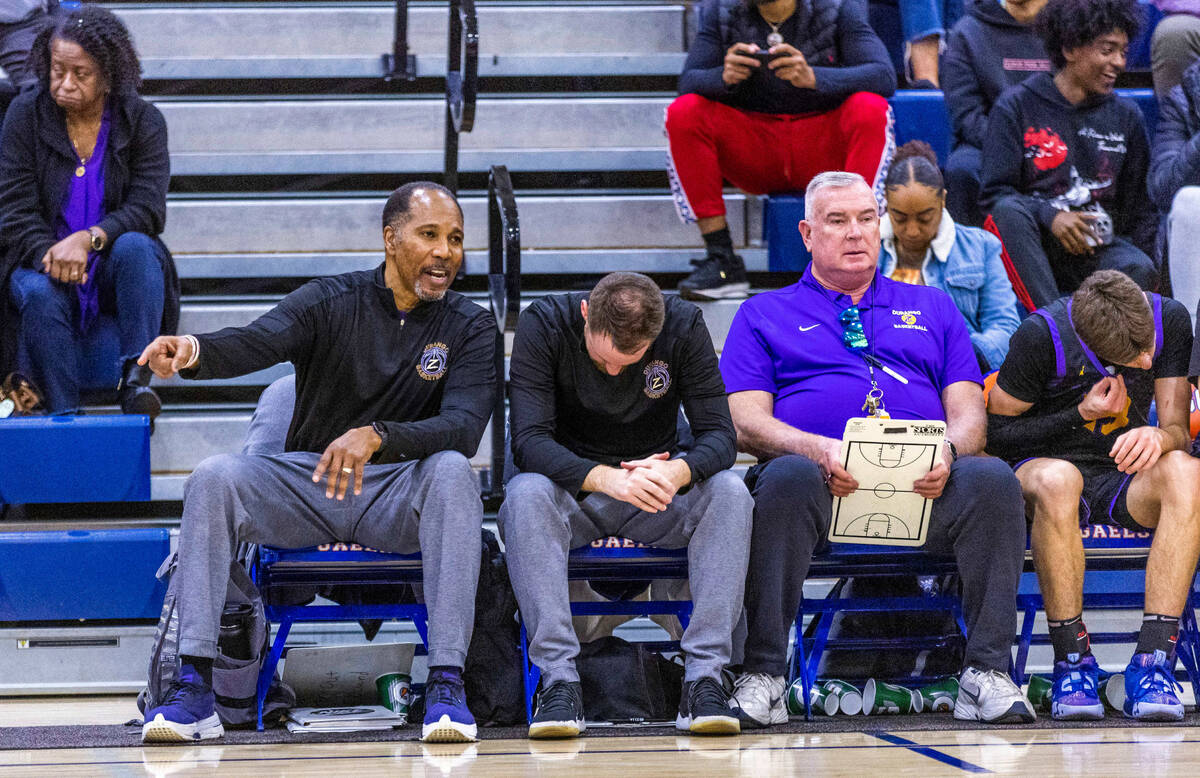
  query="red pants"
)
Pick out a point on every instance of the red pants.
point(763, 153)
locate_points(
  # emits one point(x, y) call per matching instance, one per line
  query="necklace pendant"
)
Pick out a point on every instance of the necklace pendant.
point(79, 171)
point(774, 39)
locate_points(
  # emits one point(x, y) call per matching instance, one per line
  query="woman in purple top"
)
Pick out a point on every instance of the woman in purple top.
point(83, 184)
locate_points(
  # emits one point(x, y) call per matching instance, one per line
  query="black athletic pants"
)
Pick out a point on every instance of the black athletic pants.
point(979, 521)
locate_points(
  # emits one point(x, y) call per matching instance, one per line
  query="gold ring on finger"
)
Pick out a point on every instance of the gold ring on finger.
point(347, 470)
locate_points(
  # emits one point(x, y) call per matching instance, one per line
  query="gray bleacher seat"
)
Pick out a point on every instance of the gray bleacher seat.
point(560, 233)
point(380, 134)
point(220, 133)
point(345, 40)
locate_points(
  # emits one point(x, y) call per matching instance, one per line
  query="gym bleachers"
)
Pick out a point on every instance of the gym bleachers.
point(332, 40)
point(285, 138)
point(229, 231)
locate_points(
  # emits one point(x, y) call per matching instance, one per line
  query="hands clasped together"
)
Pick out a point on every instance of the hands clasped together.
point(66, 261)
point(649, 484)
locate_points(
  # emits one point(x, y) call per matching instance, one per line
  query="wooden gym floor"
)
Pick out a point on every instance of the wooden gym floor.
point(1113, 751)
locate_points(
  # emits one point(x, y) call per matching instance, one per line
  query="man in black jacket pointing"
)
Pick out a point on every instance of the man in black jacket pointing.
point(394, 385)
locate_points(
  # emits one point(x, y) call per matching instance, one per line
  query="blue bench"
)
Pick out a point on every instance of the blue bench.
point(918, 115)
point(1115, 579)
point(54, 459)
point(844, 561)
point(82, 575)
point(282, 573)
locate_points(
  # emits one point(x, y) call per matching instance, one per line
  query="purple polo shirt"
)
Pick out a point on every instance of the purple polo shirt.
point(789, 342)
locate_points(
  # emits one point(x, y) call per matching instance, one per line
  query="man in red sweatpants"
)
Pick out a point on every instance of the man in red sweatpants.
point(773, 93)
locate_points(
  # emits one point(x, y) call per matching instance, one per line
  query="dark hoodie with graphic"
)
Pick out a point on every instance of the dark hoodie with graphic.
point(987, 51)
point(1051, 153)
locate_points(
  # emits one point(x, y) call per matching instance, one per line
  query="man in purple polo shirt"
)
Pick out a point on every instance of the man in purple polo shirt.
point(797, 367)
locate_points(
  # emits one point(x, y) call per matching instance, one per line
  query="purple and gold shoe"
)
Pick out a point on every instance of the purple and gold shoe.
point(1075, 695)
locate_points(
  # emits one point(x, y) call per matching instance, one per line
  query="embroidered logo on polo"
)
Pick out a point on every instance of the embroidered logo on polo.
point(909, 320)
point(658, 379)
point(434, 361)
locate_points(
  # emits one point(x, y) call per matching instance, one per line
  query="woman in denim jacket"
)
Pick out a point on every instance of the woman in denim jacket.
point(923, 245)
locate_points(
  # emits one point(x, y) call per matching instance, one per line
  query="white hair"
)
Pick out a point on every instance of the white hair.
point(830, 179)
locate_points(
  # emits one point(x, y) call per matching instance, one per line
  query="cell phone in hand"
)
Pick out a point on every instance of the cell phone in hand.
point(764, 57)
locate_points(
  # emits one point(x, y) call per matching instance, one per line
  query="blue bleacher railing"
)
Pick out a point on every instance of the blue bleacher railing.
point(462, 82)
point(504, 293)
point(399, 65)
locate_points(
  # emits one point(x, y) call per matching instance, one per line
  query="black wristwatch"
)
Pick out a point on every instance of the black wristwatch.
point(953, 450)
point(97, 239)
point(381, 431)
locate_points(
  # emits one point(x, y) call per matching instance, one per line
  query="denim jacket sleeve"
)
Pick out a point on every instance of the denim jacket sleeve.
point(997, 304)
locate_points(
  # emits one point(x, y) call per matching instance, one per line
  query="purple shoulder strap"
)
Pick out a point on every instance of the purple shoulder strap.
point(1156, 300)
point(1060, 367)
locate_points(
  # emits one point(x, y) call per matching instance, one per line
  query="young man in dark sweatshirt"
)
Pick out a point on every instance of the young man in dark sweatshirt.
point(597, 380)
point(992, 48)
point(773, 92)
point(395, 381)
point(1065, 160)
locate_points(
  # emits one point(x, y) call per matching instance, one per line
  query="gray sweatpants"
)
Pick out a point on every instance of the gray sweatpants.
point(540, 522)
point(431, 506)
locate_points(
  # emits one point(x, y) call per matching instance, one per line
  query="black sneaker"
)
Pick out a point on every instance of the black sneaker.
point(716, 277)
point(559, 711)
point(704, 709)
point(134, 392)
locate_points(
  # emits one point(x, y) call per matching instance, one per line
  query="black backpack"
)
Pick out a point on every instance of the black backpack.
point(241, 649)
point(493, 676)
point(624, 681)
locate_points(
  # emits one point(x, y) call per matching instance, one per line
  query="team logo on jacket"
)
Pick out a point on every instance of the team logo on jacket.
point(434, 361)
point(1045, 148)
point(658, 379)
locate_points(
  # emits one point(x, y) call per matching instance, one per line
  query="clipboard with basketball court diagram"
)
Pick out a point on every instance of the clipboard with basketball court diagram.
point(886, 456)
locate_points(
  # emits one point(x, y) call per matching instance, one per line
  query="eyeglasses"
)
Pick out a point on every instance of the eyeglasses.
point(852, 329)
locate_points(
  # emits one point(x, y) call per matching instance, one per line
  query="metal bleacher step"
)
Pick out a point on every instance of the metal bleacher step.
point(198, 316)
point(201, 315)
point(595, 232)
point(182, 40)
point(184, 439)
point(304, 135)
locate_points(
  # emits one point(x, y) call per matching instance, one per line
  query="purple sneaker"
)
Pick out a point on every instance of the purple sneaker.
point(187, 713)
point(447, 719)
point(1075, 695)
point(1150, 688)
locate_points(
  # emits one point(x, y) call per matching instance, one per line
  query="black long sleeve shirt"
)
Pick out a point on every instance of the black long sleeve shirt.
point(428, 374)
point(568, 416)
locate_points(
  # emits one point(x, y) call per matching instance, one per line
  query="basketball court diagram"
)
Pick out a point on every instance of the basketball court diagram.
point(886, 456)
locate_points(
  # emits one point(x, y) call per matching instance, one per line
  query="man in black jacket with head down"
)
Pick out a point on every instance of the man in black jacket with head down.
point(597, 381)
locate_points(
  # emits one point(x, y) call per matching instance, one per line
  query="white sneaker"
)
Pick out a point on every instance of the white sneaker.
point(758, 699)
point(991, 696)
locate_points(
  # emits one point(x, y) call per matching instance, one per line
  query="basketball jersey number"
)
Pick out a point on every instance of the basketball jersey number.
point(1118, 421)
